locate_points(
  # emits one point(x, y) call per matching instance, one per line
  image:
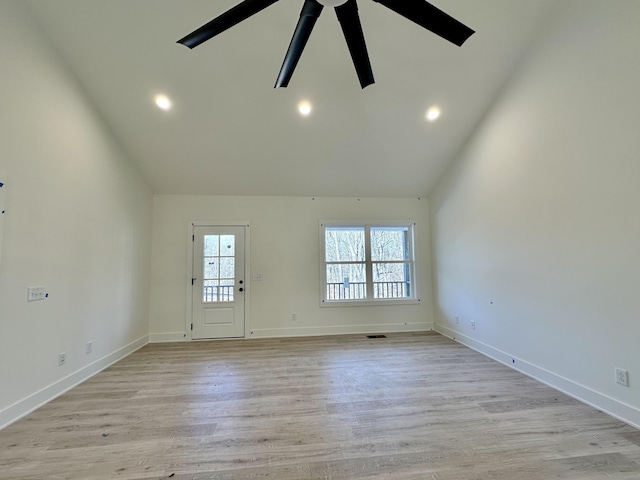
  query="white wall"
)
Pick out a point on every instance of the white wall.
point(78, 222)
point(284, 248)
point(540, 213)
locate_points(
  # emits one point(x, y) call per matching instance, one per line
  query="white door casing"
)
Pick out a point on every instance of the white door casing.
point(218, 284)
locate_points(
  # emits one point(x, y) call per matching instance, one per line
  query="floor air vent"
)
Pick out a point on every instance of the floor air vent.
point(376, 336)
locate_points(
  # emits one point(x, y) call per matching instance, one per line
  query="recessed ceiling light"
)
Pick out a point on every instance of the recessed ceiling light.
point(304, 108)
point(433, 113)
point(163, 102)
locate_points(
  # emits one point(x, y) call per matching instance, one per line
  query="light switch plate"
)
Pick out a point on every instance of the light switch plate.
point(35, 294)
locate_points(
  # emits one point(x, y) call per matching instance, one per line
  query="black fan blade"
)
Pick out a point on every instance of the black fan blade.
point(431, 18)
point(352, 29)
point(228, 19)
point(311, 10)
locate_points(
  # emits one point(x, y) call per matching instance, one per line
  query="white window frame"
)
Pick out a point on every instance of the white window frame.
point(369, 301)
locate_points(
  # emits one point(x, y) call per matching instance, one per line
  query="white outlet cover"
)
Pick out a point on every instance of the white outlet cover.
point(622, 377)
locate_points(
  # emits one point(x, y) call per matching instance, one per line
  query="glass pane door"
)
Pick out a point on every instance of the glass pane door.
point(218, 268)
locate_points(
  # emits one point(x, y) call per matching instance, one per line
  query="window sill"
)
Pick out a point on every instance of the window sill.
point(386, 302)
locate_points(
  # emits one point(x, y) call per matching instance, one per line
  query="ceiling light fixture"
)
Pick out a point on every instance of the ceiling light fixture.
point(332, 3)
point(304, 108)
point(420, 12)
point(432, 114)
point(163, 102)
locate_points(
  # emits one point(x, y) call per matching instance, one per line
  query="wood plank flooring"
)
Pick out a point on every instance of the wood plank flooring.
point(410, 406)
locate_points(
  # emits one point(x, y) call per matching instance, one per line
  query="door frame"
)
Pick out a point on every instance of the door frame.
point(189, 288)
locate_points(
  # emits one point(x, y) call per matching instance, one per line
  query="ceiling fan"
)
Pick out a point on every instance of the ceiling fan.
point(418, 11)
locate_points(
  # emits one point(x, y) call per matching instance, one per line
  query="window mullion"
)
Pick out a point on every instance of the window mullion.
point(368, 264)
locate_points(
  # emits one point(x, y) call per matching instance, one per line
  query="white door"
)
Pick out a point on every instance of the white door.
point(218, 283)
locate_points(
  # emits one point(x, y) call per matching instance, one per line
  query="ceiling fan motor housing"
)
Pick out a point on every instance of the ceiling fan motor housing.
point(331, 3)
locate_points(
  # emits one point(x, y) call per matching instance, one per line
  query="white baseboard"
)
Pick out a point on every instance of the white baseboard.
point(600, 401)
point(338, 330)
point(167, 337)
point(34, 401)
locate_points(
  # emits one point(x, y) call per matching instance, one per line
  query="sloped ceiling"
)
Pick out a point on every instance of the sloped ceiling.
point(231, 133)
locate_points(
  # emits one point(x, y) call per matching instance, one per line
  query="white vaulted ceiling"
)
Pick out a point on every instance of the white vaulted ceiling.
point(231, 133)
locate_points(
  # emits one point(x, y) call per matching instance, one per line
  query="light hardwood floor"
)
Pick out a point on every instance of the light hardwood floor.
point(410, 406)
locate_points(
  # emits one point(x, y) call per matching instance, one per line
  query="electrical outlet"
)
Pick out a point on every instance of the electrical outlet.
point(457, 317)
point(294, 317)
point(62, 359)
point(89, 347)
point(473, 324)
point(622, 377)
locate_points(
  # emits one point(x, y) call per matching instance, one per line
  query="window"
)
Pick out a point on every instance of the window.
point(218, 278)
point(367, 264)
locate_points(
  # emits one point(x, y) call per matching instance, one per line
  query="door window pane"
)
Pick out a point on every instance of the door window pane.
point(227, 267)
point(210, 292)
point(211, 265)
point(211, 245)
point(218, 268)
point(226, 290)
point(227, 245)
